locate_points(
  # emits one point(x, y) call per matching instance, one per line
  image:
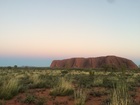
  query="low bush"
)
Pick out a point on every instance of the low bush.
point(109, 82)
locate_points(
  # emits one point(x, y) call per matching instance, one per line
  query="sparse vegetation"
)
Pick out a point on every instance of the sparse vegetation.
point(32, 99)
point(118, 87)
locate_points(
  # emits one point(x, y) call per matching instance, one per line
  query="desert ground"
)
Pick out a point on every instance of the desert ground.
point(45, 86)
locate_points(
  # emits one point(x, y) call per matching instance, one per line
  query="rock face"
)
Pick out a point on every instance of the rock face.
point(97, 62)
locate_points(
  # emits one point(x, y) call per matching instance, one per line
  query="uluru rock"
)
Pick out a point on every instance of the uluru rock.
point(94, 62)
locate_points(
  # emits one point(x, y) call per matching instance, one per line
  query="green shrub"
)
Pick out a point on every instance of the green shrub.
point(33, 99)
point(85, 81)
point(109, 82)
point(30, 99)
point(91, 73)
point(64, 72)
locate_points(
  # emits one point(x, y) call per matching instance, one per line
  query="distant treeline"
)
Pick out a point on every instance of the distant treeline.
point(104, 68)
point(24, 67)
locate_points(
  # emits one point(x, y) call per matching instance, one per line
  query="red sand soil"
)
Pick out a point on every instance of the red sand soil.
point(61, 100)
point(137, 96)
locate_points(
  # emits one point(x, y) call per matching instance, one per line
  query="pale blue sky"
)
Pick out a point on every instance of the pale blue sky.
point(34, 32)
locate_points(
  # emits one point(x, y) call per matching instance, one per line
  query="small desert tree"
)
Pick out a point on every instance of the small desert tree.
point(15, 66)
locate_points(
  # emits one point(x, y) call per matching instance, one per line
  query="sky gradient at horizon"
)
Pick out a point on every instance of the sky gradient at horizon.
point(36, 31)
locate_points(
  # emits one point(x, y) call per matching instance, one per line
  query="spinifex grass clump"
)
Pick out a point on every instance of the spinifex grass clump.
point(80, 96)
point(36, 81)
point(63, 88)
point(120, 94)
point(9, 89)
